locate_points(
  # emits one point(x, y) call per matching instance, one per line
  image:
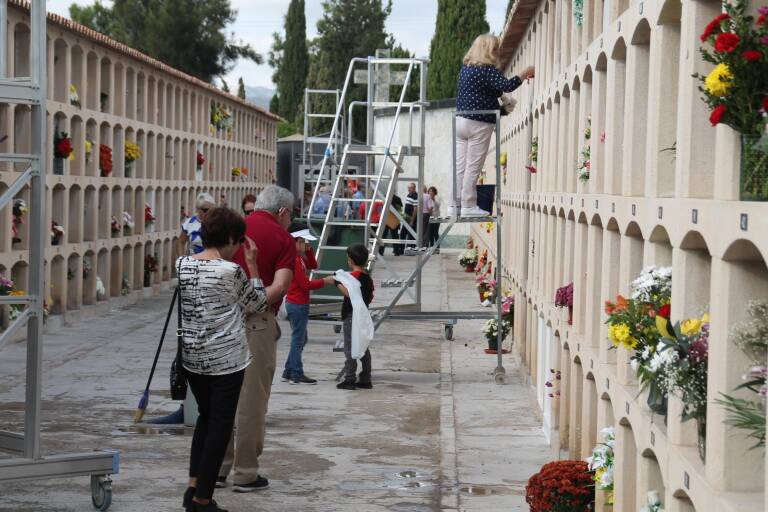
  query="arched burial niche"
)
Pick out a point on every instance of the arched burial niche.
point(636, 120)
point(649, 478)
point(74, 281)
point(105, 100)
point(21, 40)
point(58, 285)
point(625, 473)
point(658, 250)
point(576, 400)
point(614, 124)
point(89, 278)
point(60, 66)
point(682, 503)
point(103, 273)
point(738, 279)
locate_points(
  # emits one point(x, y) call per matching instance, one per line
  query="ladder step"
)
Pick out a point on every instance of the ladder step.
point(366, 176)
point(358, 149)
point(19, 90)
point(351, 223)
point(332, 248)
point(18, 158)
point(398, 241)
point(332, 116)
point(462, 220)
point(352, 200)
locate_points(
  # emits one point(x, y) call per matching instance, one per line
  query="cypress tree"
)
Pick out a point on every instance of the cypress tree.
point(241, 89)
point(458, 23)
point(293, 62)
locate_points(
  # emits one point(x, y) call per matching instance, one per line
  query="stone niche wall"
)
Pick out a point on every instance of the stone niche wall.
point(626, 71)
point(123, 97)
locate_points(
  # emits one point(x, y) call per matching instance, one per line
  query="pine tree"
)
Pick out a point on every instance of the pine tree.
point(224, 85)
point(241, 88)
point(348, 28)
point(289, 58)
point(459, 22)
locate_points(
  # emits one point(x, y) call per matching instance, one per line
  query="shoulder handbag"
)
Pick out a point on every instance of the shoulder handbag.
point(178, 373)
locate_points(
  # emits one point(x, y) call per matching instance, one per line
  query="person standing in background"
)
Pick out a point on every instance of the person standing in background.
point(267, 226)
point(248, 204)
point(434, 228)
point(410, 213)
point(190, 239)
point(426, 214)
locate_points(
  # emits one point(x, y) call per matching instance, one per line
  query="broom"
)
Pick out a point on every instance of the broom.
point(144, 400)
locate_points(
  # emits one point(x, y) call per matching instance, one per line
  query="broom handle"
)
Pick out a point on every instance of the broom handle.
point(162, 338)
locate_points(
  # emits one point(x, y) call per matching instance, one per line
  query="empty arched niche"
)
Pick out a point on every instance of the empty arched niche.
point(90, 213)
point(58, 285)
point(74, 281)
point(60, 67)
point(625, 476)
point(90, 96)
point(105, 100)
point(103, 212)
point(77, 160)
point(614, 127)
point(89, 279)
point(636, 122)
point(75, 218)
point(576, 407)
point(116, 272)
point(21, 40)
point(682, 502)
point(22, 133)
point(692, 284)
point(658, 250)
point(102, 273)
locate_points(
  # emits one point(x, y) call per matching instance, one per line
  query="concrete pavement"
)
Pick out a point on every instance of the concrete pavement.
point(435, 433)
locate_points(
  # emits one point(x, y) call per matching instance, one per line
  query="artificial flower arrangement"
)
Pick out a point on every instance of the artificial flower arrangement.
point(653, 503)
point(737, 44)
point(88, 150)
point(533, 156)
point(481, 262)
point(487, 226)
point(564, 299)
point(149, 217)
point(87, 268)
point(503, 165)
point(468, 259)
point(115, 226)
point(221, 118)
point(74, 98)
point(128, 223)
point(62, 145)
point(8, 287)
point(602, 462)
point(633, 323)
point(200, 160)
point(508, 307)
point(486, 287)
point(491, 332)
point(747, 411)
point(125, 285)
point(132, 152)
point(561, 486)
point(235, 172)
point(57, 233)
point(150, 267)
point(19, 211)
point(105, 160)
point(584, 165)
point(554, 383)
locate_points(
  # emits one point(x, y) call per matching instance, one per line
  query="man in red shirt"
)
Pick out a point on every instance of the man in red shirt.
point(267, 226)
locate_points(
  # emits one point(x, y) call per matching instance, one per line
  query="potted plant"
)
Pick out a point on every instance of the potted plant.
point(491, 332)
point(561, 486)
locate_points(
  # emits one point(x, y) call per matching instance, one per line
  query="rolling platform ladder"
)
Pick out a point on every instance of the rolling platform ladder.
point(27, 462)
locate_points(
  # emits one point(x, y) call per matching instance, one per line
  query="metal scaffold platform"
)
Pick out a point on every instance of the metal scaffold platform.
point(26, 460)
point(387, 165)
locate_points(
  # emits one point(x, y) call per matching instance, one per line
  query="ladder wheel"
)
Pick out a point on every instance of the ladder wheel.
point(500, 378)
point(337, 329)
point(101, 492)
point(448, 332)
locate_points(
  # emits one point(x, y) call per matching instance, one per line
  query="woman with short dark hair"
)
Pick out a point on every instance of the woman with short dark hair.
point(215, 295)
point(248, 205)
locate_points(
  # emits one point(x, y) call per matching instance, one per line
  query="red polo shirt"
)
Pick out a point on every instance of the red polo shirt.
point(277, 248)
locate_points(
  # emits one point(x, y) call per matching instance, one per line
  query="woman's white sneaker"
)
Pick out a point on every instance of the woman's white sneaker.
point(474, 211)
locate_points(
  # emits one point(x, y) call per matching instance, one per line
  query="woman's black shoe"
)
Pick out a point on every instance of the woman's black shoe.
point(347, 384)
point(212, 506)
point(188, 495)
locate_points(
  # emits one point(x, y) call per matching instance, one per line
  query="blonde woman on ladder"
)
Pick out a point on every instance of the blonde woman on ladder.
point(480, 86)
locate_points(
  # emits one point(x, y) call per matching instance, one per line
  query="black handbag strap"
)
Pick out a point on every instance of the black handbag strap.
point(179, 334)
point(162, 337)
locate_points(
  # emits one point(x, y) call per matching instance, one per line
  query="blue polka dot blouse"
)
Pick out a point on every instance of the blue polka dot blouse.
point(480, 88)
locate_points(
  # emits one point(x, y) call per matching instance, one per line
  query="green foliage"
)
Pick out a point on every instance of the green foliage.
point(224, 85)
point(188, 35)
point(348, 28)
point(274, 103)
point(241, 88)
point(458, 23)
point(286, 128)
point(289, 58)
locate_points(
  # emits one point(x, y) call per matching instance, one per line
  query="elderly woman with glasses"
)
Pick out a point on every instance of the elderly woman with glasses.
point(215, 297)
point(190, 240)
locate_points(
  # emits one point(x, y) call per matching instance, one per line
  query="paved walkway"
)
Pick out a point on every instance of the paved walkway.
point(435, 433)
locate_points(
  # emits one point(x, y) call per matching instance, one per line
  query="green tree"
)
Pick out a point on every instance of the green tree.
point(289, 58)
point(274, 104)
point(241, 88)
point(458, 23)
point(348, 28)
point(189, 35)
point(224, 85)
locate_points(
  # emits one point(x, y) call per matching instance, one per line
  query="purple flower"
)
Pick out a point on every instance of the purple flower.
point(699, 350)
point(763, 10)
point(764, 39)
point(548, 384)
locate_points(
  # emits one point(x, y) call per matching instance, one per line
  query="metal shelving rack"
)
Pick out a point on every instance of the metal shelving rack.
point(385, 176)
point(28, 462)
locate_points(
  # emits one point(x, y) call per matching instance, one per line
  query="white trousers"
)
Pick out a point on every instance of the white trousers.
point(472, 141)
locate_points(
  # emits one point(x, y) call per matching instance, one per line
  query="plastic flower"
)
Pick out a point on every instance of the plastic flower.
point(717, 114)
point(620, 334)
point(718, 82)
point(691, 326)
point(713, 26)
point(665, 310)
point(727, 42)
point(752, 55)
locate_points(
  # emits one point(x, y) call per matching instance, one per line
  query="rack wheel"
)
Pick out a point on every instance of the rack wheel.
point(101, 491)
point(337, 329)
point(500, 375)
point(448, 332)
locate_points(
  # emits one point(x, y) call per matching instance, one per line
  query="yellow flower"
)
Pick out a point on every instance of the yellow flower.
point(88, 147)
point(18, 293)
point(690, 327)
point(621, 335)
point(705, 318)
point(718, 82)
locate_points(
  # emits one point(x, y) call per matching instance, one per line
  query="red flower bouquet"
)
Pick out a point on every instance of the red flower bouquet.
point(105, 160)
point(561, 486)
point(62, 145)
point(200, 160)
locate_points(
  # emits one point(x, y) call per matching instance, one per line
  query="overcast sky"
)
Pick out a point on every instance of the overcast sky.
point(412, 22)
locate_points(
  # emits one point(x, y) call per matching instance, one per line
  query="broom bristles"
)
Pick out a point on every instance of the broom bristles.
point(143, 402)
point(138, 415)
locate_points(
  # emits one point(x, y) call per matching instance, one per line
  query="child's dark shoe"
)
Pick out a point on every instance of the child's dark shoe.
point(364, 385)
point(347, 384)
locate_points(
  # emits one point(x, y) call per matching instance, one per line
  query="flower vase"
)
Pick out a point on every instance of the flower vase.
point(128, 169)
point(754, 168)
point(58, 166)
point(469, 269)
point(657, 400)
point(147, 279)
point(570, 315)
point(493, 344)
point(701, 429)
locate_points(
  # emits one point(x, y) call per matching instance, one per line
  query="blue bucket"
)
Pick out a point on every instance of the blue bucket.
point(486, 197)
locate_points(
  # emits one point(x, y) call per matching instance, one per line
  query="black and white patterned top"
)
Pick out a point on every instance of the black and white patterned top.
point(479, 89)
point(215, 297)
